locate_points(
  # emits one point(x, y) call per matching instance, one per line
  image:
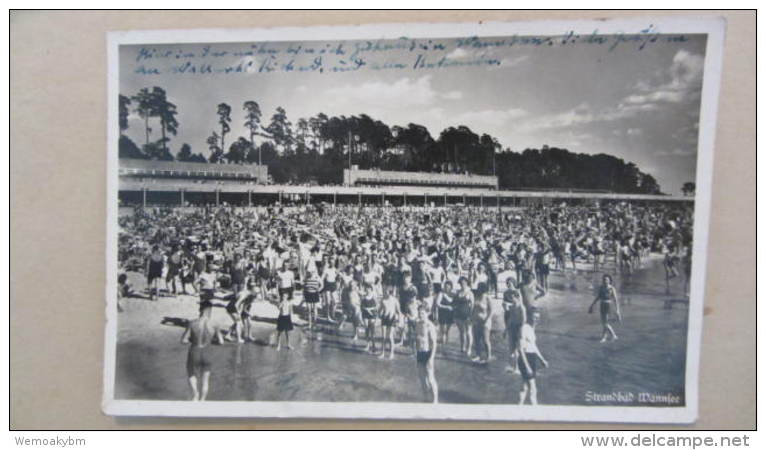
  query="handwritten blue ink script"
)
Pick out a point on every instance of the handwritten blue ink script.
point(377, 55)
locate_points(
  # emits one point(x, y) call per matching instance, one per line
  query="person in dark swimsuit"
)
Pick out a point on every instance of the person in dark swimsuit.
point(482, 324)
point(239, 311)
point(462, 308)
point(671, 265)
point(284, 322)
point(390, 274)
point(408, 305)
point(425, 345)
point(515, 317)
point(200, 333)
point(542, 266)
point(238, 274)
point(369, 316)
point(329, 276)
point(200, 260)
point(175, 258)
point(187, 276)
point(574, 253)
point(262, 275)
point(446, 314)
point(250, 296)
point(234, 309)
point(608, 305)
point(312, 286)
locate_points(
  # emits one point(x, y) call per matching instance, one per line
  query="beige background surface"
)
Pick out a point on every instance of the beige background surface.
point(58, 159)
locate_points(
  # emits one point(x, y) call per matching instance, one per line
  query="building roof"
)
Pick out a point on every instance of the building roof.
point(144, 164)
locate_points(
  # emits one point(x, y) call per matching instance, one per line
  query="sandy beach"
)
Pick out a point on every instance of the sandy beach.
point(648, 358)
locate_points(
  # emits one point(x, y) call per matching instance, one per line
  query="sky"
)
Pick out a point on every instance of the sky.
point(639, 105)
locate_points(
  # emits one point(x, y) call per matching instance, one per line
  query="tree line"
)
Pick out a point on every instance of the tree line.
point(317, 149)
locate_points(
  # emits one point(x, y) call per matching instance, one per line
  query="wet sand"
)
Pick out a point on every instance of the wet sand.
point(649, 356)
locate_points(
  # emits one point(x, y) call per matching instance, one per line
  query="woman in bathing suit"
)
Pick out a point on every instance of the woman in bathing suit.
point(446, 314)
point(369, 316)
point(462, 307)
point(608, 305)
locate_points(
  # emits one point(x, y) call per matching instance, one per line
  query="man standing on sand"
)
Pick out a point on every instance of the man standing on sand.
point(200, 333)
point(425, 343)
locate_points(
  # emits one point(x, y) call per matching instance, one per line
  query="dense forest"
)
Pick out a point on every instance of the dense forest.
point(317, 149)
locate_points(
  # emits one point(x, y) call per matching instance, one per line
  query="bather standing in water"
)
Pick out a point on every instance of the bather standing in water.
point(200, 333)
point(609, 306)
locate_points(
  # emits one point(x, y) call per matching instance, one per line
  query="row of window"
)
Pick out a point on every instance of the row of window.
point(187, 174)
point(378, 182)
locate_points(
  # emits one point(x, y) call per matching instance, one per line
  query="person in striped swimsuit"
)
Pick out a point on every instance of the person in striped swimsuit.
point(311, 288)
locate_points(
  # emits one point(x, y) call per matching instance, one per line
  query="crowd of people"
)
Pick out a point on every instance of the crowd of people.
point(394, 277)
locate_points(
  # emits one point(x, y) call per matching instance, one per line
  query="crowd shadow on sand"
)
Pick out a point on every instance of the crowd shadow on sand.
point(175, 321)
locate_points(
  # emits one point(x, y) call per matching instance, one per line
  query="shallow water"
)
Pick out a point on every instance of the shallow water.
point(648, 357)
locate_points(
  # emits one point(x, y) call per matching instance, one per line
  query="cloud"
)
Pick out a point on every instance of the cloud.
point(489, 117)
point(679, 83)
point(686, 70)
point(402, 93)
point(655, 97)
point(452, 95)
point(582, 114)
point(627, 110)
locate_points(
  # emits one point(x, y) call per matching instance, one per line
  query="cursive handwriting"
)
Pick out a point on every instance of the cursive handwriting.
point(383, 54)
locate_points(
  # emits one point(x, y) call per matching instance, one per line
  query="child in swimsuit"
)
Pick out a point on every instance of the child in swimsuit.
point(284, 322)
point(369, 316)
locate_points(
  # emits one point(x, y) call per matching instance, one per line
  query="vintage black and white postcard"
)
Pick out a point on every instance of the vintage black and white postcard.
point(493, 221)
